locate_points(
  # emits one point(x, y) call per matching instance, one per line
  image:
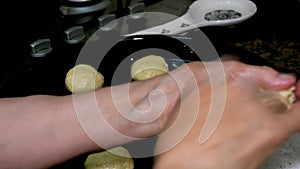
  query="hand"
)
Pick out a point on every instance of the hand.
point(249, 130)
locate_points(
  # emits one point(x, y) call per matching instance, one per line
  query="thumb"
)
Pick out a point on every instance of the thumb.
point(263, 76)
point(270, 79)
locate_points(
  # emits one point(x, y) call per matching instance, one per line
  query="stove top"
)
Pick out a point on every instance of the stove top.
point(37, 54)
point(39, 51)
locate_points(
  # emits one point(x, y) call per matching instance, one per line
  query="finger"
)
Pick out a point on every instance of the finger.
point(268, 78)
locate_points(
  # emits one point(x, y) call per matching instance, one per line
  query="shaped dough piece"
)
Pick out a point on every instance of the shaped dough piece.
point(82, 78)
point(116, 158)
point(148, 67)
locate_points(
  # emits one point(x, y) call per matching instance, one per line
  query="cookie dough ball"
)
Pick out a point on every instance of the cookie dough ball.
point(116, 158)
point(83, 78)
point(148, 67)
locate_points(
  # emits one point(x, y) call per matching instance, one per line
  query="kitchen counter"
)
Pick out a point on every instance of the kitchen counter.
point(283, 55)
point(271, 37)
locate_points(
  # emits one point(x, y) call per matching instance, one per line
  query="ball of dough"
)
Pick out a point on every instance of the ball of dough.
point(148, 67)
point(116, 158)
point(82, 78)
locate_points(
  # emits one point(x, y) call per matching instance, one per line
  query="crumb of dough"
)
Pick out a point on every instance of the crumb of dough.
point(115, 158)
point(288, 96)
point(148, 67)
point(82, 78)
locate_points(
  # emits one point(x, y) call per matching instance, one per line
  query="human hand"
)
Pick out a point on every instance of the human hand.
point(249, 130)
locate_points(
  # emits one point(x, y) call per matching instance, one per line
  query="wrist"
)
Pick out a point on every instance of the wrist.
point(132, 109)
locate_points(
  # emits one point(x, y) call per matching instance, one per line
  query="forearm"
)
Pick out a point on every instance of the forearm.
point(39, 131)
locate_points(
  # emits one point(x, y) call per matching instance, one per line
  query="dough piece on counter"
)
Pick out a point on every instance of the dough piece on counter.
point(148, 67)
point(82, 78)
point(287, 96)
point(116, 158)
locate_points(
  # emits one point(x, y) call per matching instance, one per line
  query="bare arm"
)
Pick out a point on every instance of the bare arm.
point(38, 131)
point(41, 131)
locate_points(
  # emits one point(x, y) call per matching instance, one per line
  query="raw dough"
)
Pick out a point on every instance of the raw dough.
point(116, 158)
point(148, 67)
point(83, 78)
point(287, 96)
